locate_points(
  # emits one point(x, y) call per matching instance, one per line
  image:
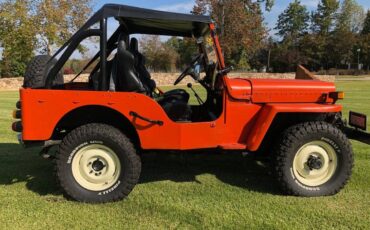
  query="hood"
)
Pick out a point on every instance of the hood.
point(279, 90)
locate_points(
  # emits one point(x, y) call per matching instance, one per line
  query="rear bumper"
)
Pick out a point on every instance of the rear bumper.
point(28, 144)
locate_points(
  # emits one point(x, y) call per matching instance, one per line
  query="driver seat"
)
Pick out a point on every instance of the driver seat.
point(144, 75)
point(124, 78)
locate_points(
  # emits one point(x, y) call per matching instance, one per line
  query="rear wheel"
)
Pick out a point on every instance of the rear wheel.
point(97, 163)
point(313, 159)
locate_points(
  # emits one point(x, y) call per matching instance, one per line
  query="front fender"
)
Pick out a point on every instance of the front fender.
point(269, 111)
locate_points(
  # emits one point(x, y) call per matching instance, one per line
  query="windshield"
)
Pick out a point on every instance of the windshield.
point(210, 50)
point(210, 58)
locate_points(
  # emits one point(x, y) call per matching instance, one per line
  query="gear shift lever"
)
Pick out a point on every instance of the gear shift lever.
point(200, 101)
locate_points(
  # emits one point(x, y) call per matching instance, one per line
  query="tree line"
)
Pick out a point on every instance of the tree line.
point(336, 35)
point(241, 30)
point(28, 27)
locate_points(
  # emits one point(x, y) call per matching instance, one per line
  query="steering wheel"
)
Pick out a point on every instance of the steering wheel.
point(189, 70)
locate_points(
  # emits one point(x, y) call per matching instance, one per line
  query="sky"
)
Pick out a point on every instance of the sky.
point(185, 6)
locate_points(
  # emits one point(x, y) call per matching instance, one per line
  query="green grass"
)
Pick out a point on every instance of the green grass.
point(181, 191)
point(357, 97)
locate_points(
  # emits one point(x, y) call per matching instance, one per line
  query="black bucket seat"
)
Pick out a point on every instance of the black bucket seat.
point(145, 77)
point(123, 71)
point(128, 77)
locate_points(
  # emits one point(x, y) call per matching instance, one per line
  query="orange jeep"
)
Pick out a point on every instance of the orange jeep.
point(101, 125)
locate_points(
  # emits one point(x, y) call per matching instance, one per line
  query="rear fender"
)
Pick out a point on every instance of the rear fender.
point(268, 113)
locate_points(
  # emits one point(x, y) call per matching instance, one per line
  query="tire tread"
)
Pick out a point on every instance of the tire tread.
point(294, 134)
point(109, 132)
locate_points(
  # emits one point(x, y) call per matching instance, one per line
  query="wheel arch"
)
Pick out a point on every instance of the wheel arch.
point(95, 114)
point(275, 118)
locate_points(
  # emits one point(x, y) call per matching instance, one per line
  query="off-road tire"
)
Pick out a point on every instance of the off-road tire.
point(293, 139)
point(110, 137)
point(35, 75)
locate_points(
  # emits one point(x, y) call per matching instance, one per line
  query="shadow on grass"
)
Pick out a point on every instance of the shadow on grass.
point(230, 168)
point(25, 165)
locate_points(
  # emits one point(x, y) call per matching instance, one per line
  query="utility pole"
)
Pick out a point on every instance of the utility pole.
point(358, 59)
point(268, 60)
point(222, 5)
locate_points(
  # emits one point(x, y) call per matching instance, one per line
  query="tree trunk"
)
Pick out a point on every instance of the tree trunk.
point(49, 49)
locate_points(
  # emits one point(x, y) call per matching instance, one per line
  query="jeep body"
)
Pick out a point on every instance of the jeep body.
point(239, 114)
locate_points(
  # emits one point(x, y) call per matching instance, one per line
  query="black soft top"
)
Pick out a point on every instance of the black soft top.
point(144, 21)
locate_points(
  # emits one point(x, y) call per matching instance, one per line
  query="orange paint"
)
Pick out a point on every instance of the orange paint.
point(242, 124)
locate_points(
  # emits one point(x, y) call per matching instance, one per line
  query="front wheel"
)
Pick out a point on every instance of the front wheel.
point(313, 159)
point(96, 163)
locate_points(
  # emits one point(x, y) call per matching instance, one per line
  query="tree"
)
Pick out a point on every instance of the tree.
point(364, 42)
point(315, 46)
point(241, 26)
point(366, 27)
point(351, 16)
point(293, 22)
point(17, 36)
point(59, 19)
point(343, 39)
point(341, 47)
point(185, 48)
point(313, 50)
point(26, 26)
point(292, 25)
point(364, 46)
point(159, 55)
point(325, 15)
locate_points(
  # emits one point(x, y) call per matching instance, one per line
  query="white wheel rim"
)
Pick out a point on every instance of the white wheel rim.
point(91, 174)
point(321, 151)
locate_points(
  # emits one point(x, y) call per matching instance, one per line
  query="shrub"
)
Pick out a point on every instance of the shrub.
point(68, 71)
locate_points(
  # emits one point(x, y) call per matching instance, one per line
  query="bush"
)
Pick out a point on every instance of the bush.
point(13, 69)
point(68, 71)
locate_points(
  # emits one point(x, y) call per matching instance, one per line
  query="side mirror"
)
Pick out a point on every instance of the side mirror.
point(196, 72)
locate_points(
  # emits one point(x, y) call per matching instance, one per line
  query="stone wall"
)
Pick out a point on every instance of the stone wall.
point(167, 78)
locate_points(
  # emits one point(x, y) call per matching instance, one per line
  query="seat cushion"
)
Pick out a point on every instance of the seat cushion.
point(180, 94)
point(176, 108)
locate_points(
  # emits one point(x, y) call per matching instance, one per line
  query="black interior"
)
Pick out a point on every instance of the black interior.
point(141, 70)
point(123, 71)
point(127, 73)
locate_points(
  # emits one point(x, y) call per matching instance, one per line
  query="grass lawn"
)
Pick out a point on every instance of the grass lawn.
point(181, 191)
